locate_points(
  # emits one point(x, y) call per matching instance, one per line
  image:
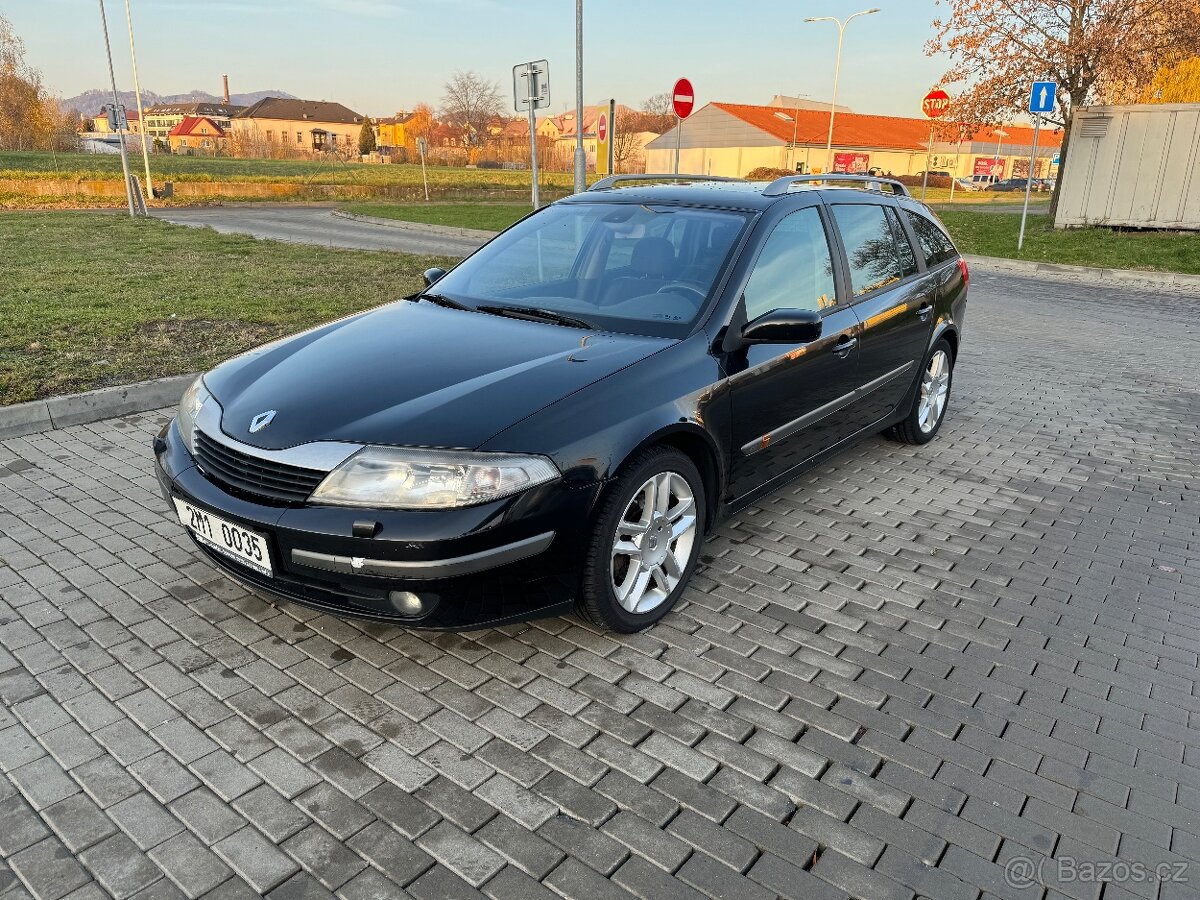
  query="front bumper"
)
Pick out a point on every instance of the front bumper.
point(513, 559)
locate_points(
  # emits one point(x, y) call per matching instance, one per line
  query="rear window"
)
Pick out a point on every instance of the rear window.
point(935, 245)
point(870, 246)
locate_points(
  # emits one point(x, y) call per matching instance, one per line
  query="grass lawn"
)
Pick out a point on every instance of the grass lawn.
point(91, 300)
point(166, 166)
point(486, 216)
point(989, 234)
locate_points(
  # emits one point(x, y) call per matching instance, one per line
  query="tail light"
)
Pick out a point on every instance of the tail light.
point(962, 267)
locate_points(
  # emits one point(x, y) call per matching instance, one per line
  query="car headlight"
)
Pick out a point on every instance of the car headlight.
point(413, 478)
point(189, 407)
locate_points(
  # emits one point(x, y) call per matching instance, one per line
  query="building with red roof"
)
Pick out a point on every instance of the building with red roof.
point(734, 138)
point(198, 135)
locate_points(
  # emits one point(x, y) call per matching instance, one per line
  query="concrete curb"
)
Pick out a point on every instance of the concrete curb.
point(92, 406)
point(1131, 277)
point(449, 230)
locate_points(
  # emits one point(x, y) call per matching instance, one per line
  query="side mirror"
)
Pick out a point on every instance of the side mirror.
point(432, 275)
point(783, 326)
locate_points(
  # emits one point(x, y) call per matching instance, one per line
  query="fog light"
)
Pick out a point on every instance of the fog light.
point(407, 603)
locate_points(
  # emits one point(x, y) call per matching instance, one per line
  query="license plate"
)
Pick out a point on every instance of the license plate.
point(228, 538)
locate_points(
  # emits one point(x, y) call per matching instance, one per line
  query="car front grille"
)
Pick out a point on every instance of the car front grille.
point(254, 475)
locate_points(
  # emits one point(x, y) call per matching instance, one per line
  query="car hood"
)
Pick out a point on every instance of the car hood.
point(413, 374)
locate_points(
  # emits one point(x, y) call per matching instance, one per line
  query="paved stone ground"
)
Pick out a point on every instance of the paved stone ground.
point(898, 676)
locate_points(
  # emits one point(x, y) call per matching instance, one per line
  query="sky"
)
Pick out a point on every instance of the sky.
point(380, 56)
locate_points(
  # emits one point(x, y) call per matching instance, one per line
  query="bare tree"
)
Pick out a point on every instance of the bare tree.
point(1092, 48)
point(658, 113)
point(470, 101)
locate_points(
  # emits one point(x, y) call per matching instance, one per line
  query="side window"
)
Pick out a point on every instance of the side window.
point(870, 247)
point(795, 268)
point(908, 260)
point(934, 244)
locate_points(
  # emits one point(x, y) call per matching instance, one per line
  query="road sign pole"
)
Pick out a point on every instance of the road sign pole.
point(533, 152)
point(1037, 124)
point(678, 137)
point(612, 136)
point(928, 153)
point(116, 106)
point(424, 179)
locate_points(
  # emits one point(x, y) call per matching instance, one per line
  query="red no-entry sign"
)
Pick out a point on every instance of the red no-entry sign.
point(602, 128)
point(935, 103)
point(683, 98)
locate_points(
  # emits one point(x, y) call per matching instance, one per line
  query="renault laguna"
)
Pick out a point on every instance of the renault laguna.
point(559, 420)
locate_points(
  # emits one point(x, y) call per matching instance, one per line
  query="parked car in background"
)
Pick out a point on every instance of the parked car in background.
point(559, 420)
point(983, 182)
point(940, 173)
point(1012, 184)
point(966, 184)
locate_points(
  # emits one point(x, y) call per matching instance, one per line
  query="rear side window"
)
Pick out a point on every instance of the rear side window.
point(870, 246)
point(908, 260)
point(935, 246)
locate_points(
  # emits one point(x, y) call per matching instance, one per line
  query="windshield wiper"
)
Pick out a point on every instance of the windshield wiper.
point(536, 314)
point(443, 300)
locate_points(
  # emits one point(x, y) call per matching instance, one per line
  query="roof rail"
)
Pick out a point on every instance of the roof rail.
point(611, 181)
point(781, 185)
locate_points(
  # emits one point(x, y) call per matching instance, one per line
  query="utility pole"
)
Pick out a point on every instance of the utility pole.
point(117, 111)
point(580, 156)
point(137, 93)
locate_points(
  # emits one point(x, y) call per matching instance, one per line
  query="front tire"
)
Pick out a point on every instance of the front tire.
point(928, 411)
point(645, 542)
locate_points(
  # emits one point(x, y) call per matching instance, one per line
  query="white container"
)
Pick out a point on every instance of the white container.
point(1136, 166)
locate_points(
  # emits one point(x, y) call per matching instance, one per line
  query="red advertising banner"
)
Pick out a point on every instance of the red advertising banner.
point(851, 163)
point(986, 165)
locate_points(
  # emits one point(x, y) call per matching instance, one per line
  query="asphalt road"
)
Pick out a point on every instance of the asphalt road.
point(318, 225)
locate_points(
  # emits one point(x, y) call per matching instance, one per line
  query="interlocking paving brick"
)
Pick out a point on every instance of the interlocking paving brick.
point(888, 678)
point(119, 866)
point(255, 859)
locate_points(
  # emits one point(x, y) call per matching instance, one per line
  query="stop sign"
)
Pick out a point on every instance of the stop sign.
point(935, 103)
point(683, 98)
point(602, 128)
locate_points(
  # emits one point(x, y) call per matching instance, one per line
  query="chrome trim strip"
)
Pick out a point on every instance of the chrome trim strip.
point(821, 412)
point(322, 456)
point(432, 568)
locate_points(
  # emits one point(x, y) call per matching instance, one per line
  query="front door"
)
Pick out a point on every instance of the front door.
point(893, 300)
point(788, 399)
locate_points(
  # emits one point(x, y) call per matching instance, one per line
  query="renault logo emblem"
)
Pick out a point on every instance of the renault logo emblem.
point(261, 421)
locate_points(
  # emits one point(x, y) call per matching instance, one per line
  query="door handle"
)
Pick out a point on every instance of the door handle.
point(843, 347)
point(924, 310)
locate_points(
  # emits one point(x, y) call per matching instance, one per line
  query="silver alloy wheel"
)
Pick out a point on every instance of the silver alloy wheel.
point(935, 385)
point(653, 542)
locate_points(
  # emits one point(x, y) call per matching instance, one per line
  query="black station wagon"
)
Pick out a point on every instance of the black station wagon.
point(560, 419)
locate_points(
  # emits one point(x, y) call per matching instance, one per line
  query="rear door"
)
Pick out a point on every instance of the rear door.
point(893, 298)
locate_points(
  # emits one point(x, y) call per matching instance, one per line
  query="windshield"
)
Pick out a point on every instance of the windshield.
point(615, 266)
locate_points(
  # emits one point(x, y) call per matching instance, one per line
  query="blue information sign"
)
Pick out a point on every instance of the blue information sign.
point(1041, 96)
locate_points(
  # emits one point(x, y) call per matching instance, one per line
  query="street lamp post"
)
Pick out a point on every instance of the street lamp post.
point(580, 157)
point(137, 93)
point(1001, 134)
point(837, 70)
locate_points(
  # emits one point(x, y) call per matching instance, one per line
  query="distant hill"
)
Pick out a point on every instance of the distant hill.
point(90, 102)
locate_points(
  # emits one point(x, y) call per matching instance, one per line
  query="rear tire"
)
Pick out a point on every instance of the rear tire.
point(924, 420)
point(645, 542)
